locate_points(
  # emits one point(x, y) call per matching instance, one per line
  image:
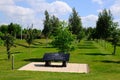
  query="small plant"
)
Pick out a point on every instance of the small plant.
point(29, 36)
point(80, 36)
point(115, 40)
point(8, 42)
point(1, 41)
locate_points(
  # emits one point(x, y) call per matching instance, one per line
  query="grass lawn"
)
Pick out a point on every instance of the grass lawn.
point(103, 65)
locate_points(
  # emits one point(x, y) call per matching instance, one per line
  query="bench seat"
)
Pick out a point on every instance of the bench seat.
point(56, 57)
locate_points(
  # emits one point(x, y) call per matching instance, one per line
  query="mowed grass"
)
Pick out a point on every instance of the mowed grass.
point(103, 65)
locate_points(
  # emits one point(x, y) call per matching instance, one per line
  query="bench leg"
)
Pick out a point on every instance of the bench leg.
point(47, 63)
point(64, 64)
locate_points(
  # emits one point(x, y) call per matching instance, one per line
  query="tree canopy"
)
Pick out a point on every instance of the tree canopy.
point(55, 25)
point(104, 24)
point(75, 24)
point(63, 41)
point(47, 25)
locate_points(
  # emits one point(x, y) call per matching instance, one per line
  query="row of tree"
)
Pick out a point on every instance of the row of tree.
point(17, 31)
point(8, 33)
point(13, 29)
point(106, 29)
point(52, 25)
point(63, 33)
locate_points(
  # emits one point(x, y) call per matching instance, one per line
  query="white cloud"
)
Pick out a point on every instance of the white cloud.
point(56, 7)
point(60, 7)
point(16, 10)
point(3, 23)
point(28, 15)
point(100, 10)
point(6, 2)
point(89, 21)
point(16, 13)
point(100, 2)
point(115, 8)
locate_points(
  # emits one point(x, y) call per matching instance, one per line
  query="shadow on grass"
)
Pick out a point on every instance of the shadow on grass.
point(22, 45)
point(42, 45)
point(34, 60)
point(87, 47)
point(110, 61)
point(38, 43)
point(33, 47)
point(88, 42)
point(3, 59)
point(17, 52)
point(26, 46)
point(48, 47)
point(96, 54)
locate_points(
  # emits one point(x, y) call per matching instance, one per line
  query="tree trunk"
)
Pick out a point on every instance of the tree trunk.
point(46, 42)
point(105, 44)
point(15, 35)
point(29, 49)
point(8, 52)
point(114, 51)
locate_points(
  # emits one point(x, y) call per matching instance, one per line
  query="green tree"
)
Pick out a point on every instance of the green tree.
point(1, 36)
point(8, 42)
point(115, 36)
point(11, 28)
point(75, 24)
point(63, 41)
point(17, 30)
point(55, 24)
point(91, 33)
point(116, 39)
point(14, 29)
point(104, 24)
point(37, 33)
point(4, 28)
point(88, 31)
point(47, 26)
point(1, 41)
point(81, 35)
point(29, 36)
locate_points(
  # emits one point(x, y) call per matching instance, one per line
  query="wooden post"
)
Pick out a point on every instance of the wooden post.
point(12, 62)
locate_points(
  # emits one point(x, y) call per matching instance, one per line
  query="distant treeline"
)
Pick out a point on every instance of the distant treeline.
point(16, 31)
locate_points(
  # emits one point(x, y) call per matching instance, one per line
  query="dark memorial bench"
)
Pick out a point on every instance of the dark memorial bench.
point(48, 57)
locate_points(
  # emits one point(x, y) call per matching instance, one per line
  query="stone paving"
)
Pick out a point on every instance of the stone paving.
point(55, 67)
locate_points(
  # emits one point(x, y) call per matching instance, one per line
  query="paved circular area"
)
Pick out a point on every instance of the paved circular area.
point(71, 67)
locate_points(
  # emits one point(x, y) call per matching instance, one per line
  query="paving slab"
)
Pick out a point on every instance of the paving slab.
point(71, 67)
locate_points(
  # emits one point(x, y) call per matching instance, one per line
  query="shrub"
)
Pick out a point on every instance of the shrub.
point(64, 41)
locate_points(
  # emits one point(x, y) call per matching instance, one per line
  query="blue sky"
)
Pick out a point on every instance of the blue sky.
point(27, 12)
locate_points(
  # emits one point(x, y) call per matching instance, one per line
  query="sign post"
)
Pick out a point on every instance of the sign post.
point(13, 62)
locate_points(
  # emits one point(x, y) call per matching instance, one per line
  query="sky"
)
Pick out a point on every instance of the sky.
point(27, 12)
